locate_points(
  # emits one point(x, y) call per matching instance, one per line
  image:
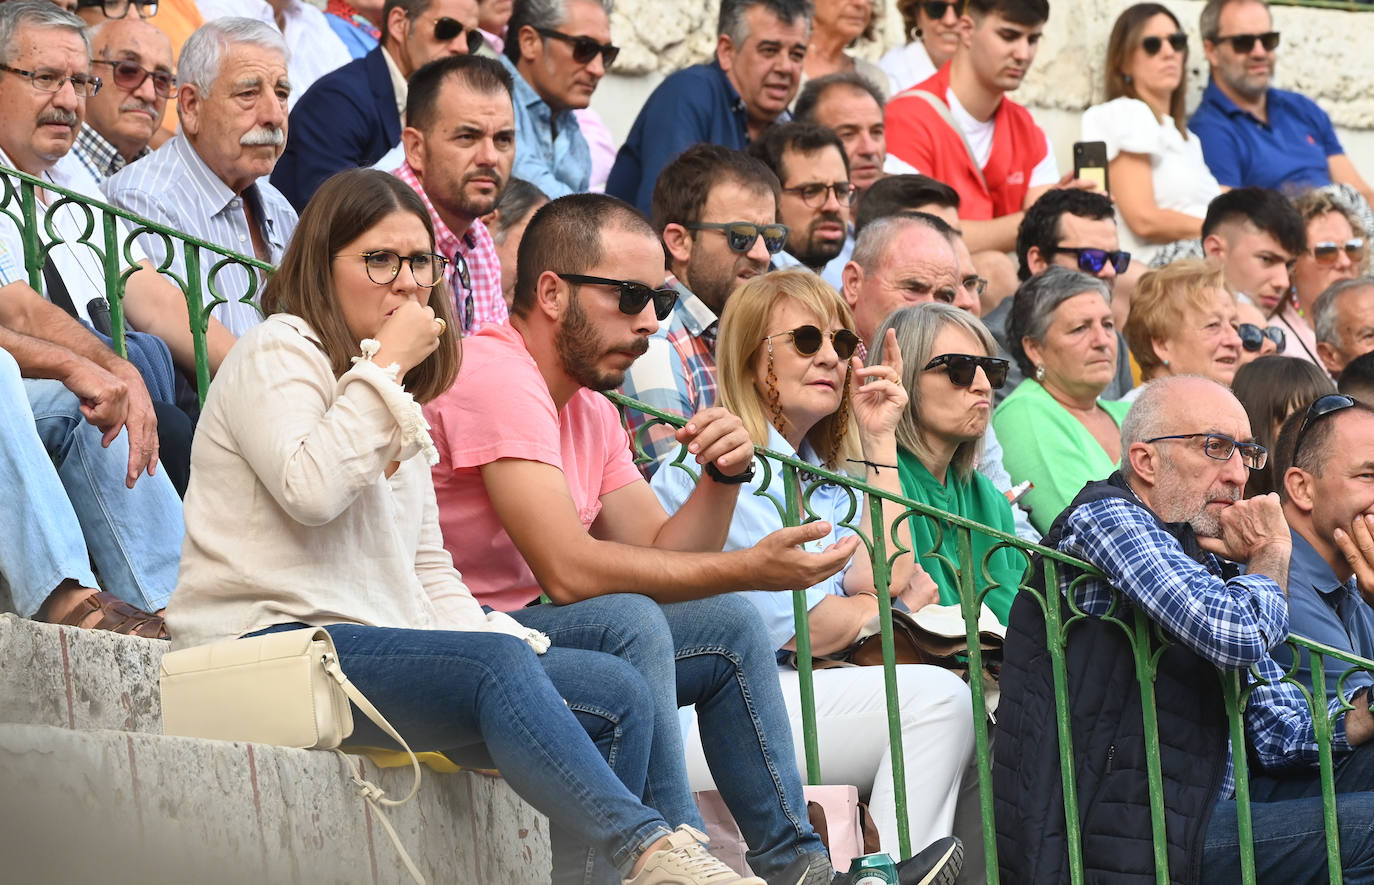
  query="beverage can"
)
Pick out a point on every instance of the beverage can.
point(873, 869)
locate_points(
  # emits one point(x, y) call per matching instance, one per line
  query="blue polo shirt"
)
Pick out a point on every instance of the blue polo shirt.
point(1322, 608)
point(1291, 149)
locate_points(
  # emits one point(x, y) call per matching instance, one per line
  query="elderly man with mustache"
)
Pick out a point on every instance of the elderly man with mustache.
point(211, 180)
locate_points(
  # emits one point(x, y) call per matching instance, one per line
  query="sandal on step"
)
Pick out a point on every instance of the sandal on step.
point(116, 615)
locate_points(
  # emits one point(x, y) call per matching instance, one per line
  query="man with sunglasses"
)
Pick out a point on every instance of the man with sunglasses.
point(538, 493)
point(810, 162)
point(715, 210)
point(1343, 318)
point(1252, 133)
point(134, 60)
point(352, 116)
point(556, 51)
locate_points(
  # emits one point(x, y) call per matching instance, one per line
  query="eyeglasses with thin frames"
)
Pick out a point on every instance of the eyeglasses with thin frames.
point(633, 296)
point(48, 80)
point(814, 194)
point(128, 74)
point(120, 8)
point(1220, 447)
point(975, 285)
point(584, 49)
point(1244, 44)
point(807, 340)
point(1320, 408)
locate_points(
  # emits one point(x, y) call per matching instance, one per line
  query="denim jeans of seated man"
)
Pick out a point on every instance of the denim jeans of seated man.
point(69, 507)
point(712, 653)
point(486, 699)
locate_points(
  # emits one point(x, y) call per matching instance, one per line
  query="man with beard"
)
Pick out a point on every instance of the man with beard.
point(211, 180)
point(810, 162)
point(715, 210)
point(1251, 133)
point(459, 142)
point(537, 493)
point(1161, 530)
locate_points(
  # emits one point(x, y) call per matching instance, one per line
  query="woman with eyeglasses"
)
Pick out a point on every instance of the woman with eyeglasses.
point(786, 366)
point(932, 29)
point(1156, 172)
point(1336, 250)
point(949, 372)
point(1272, 388)
point(836, 25)
point(1056, 431)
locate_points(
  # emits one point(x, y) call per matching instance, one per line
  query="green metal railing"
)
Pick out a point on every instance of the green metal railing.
point(19, 202)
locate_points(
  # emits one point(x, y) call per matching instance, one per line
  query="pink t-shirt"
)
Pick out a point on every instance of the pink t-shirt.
point(500, 408)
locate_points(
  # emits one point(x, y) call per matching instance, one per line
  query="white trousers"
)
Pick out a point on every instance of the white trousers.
point(852, 734)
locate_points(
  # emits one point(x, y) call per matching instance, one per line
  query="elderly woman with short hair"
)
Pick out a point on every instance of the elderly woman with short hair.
point(1183, 321)
point(1056, 431)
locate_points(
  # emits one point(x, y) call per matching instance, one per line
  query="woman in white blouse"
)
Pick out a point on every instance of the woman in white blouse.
point(933, 28)
point(1155, 168)
point(311, 503)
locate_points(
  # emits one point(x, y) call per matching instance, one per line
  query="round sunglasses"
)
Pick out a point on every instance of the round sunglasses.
point(1326, 253)
point(740, 236)
point(584, 49)
point(130, 75)
point(448, 29)
point(807, 340)
point(1178, 41)
point(1092, 261)
point(1252, 337)
point(633, 296)
point(962, 366)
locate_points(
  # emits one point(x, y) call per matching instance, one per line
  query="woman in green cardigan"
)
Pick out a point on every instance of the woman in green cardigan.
point(949, 375)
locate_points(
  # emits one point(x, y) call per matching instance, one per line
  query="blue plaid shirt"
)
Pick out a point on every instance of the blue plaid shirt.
point(1232, 623)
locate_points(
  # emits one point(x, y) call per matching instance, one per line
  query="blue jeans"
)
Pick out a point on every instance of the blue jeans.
point(485, 698)
point(713, 653)
point(67, 492)
point(1290, 837)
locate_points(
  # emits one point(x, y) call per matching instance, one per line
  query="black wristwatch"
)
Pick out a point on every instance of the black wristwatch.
point(714, 472)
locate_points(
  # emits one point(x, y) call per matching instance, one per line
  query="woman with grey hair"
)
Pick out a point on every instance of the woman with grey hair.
point(949, 374)
point(1056, 432)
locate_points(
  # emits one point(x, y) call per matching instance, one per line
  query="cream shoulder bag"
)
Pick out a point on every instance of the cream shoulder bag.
point(285, 689)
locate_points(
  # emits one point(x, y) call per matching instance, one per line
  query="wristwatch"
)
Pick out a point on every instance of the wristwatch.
point(714, 472)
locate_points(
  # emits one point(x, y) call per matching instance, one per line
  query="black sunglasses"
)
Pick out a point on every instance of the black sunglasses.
point(633, 296)
point(1252, 336)
point(807, 340)
point(740, 235)
point(1320, 408)
point(584, 49)
point(130, 75)
point(1244, 43)
point(447, 29)
point(936, 9)
point(962, 366)
point(1178, 41)
point(1093, 260)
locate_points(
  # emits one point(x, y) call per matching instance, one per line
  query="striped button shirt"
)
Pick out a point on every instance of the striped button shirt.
point(174, 187)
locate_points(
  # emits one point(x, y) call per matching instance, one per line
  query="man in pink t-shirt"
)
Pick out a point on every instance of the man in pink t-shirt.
point(538, 493)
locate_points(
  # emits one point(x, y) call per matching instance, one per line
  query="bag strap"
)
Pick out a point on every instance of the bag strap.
point(942, 110)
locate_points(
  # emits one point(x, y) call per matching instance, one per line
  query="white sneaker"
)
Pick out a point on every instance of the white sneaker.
point(685, 861)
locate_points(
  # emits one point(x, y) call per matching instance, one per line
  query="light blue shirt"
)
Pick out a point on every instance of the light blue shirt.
point(833, 272)
point(550, 150)
point(759, 512)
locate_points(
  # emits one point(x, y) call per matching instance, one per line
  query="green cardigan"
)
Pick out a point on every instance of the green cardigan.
point(1044, 443)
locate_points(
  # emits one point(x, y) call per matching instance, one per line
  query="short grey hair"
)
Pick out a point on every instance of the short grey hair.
point(1210, 19)
point(877, 236)
point(40, 14)
point(1034, 304)
point(205, 49)
point(1324, 311)
point(734, 26)
point(1147, 418)
point(540, 14)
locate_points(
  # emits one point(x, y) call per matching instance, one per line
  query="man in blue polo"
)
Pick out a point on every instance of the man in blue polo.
point(1253, 134)
point(758, 66)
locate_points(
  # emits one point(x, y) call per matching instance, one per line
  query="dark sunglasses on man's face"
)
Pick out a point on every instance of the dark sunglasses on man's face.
point(1242, 44)
point(1178, 41)
point(963, 366)
point(1093, 260)
point(1252, 337)
point(741, 235)
point(936, 9)
point(584, 49)
point(130, 75)
point(1326, 253)
point(807, 340)
point(633, 296)
point(446, 30)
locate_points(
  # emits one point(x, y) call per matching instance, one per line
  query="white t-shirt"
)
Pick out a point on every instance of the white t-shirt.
point(1182, 182)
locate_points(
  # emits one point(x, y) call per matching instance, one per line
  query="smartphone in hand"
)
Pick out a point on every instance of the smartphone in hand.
point(1090, 162)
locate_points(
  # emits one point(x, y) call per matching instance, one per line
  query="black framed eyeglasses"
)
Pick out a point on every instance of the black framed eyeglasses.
point(740, 235)
point(48, 80)
point(1320, 408)
point(446, 30)
point(120, 8)
point(814, 194)
point(1178, 41)
point(584, 49)
point(1326, 253)
point(1092, 261)
point(963, 366)
point(130, 75)
point(1244, 44)
point(1220, 447)
point(807, 340)
point(383, 265)
point(936, 9)
point(1252, 337)
point(633, 296)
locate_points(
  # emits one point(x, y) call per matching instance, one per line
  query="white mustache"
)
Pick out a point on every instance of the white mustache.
point(263, 135)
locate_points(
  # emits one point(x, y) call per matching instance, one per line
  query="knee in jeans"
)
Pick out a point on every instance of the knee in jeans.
point(647, 629)
point(740, 625)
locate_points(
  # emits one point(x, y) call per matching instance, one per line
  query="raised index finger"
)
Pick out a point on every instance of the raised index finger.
point(892, 352)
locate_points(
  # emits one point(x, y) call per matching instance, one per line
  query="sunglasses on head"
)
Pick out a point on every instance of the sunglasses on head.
point(130, 75)
point(962, 366)
point(1178, 41)
point(936, 9)
point(448, 29)
point(1244, 43)
point(1252, 337)
point(584, 49)
point(1320, 408)
point(1093, 260)
point(633, 296)
point(1326, 253)
point(740, 235)
point(807, 340)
